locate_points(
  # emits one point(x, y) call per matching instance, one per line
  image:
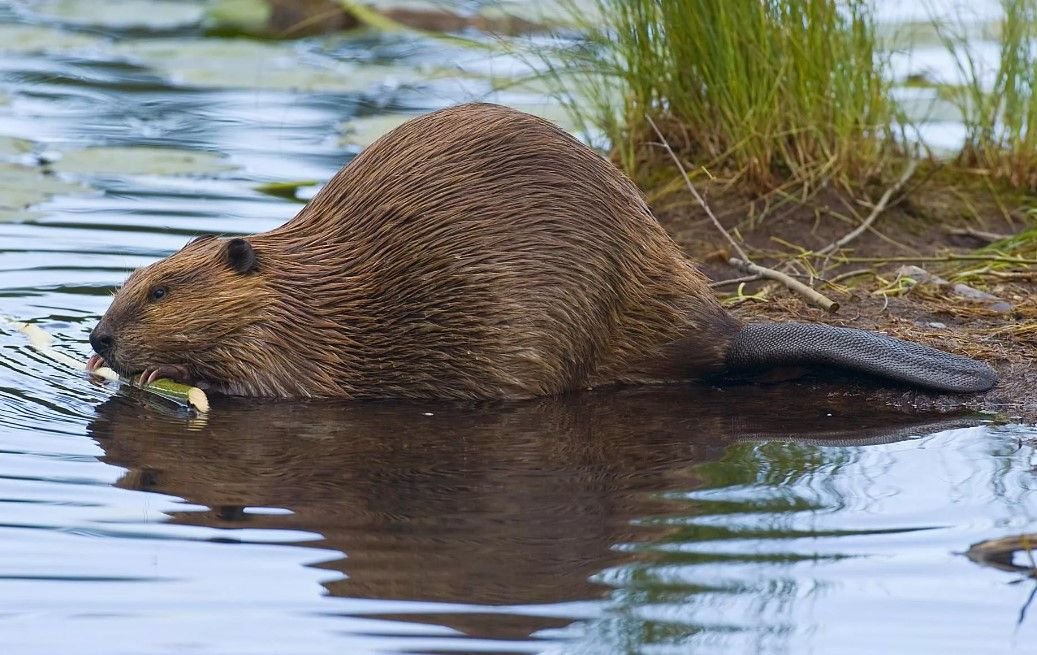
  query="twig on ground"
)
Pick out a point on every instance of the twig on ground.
point(982, 235)
point(734, 280)
point(848, 274)
point(742, 262)
point(879, 207)
point(815, 297)
point(1011, 275)
point(694, 192)
point(1001, 259)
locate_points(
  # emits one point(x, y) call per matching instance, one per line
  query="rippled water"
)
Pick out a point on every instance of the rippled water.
point(749, 520)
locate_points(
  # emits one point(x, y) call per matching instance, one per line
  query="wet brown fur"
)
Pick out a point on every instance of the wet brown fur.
point(475, 252)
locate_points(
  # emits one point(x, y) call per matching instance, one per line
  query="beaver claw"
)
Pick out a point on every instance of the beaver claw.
point(95, 362)
point(176, 372)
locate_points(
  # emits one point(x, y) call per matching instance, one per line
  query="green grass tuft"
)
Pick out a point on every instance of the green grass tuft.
point(1000, 116)
point(766, 93)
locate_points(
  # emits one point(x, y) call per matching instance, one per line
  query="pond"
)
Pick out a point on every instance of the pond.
point(771, 519)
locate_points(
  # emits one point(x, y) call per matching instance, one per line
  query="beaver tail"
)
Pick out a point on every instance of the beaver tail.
point(764, 345)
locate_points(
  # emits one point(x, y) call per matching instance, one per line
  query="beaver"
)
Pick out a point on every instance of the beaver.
point(475, 252)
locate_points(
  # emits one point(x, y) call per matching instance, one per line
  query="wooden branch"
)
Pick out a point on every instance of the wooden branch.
point(695, 193)
point(988, 237)
point(1001, 259)
point(742, 262)
point(998, 553)
point(182, 394)
point(734, 280)
point(791, 283)
point(879, 207)
point(848, 274)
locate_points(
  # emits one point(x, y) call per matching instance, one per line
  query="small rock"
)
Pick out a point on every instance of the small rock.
point(917, 275)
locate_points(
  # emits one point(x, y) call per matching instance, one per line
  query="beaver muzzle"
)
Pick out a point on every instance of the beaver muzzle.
point(102, 341)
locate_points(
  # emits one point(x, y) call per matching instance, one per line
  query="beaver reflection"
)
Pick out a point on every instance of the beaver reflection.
point(484, 504)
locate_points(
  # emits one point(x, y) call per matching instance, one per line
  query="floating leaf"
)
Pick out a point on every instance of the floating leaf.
point(126, 14)
point(31, 39)
point(239, 63)
point(248, 17)
point(541, 12)
point(17, 215)
point(286, 189)
point(141, 161)
point(11, 146)
point(365, 130)
point(22, 186)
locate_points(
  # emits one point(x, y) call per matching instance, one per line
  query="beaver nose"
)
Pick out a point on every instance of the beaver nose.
point(102, 342)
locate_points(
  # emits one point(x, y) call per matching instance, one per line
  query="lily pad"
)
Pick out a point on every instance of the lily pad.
point(249, 17)
point(127, 14)
point(17, 215)
point(239, 63)
point(286, 189)
point(545, 12)
point(141, 161)
point(365, 130)
point(22, 186)
point(27, 39)
point(292, 20)
point(12, 146)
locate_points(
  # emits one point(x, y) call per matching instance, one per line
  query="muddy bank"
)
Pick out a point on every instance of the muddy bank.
point(949, 265)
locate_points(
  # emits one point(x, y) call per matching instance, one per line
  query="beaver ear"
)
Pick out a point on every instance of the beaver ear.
point(241, 256)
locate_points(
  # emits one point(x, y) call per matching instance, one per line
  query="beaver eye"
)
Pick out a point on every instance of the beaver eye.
point(158, 293)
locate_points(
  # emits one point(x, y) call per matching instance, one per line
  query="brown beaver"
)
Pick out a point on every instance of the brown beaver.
point(474, 252)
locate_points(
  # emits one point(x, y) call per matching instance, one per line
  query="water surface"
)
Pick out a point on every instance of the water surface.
point(782, 519)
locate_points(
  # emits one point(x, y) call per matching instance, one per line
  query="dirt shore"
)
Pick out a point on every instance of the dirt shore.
point(949, 235)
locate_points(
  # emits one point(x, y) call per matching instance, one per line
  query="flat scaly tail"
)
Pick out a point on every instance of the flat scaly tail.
point(760, 346)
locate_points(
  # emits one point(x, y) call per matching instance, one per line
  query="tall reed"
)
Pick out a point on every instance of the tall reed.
point(998, 102)
point(761, 91)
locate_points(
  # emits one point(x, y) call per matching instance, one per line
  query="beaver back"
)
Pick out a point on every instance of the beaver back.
point(482, 252)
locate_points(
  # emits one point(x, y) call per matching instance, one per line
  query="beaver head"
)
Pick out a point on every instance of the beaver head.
point(173, 318)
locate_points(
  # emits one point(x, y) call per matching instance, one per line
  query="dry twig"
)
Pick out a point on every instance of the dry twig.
point(879, 207)
point(982, 235)
point(734, 280)
point(742, 262)
point(811, 295)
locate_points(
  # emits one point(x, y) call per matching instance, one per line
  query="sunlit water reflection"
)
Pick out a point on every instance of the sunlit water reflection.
point(770, 520)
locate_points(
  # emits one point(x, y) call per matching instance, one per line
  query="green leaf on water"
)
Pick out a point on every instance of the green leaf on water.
point(248, 17)
point(285, 189)
point(126, 14)
point(141, 161)
point(544, 12)
point(17, 215)
point(240, 63)
point(365, 130)
point(27, 39)
point(12, 146)
point(23, 186)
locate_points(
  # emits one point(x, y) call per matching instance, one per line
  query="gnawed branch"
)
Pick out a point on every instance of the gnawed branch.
point(181, 394)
